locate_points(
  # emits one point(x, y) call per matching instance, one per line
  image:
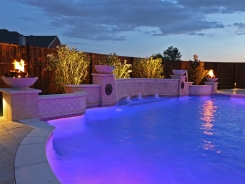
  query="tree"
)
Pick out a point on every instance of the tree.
point(70, 66)
point(171, 60)
point(159, 55)
point(197, 71)
point(172, 54)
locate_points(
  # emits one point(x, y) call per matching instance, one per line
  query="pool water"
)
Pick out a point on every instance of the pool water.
point(181, 140)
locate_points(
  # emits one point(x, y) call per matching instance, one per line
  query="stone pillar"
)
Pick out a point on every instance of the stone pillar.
point(20, 104)
point(183, 87)
point(214, 86)
point(108, 95)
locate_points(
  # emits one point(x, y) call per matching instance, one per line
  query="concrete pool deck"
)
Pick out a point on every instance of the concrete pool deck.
point(23, 149)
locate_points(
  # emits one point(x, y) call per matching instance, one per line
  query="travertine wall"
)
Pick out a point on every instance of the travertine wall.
point(93, 93)
point(146, 87)
point(200, 90)
point(20, 104)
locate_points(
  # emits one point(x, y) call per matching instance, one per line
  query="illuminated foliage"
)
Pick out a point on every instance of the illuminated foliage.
point(197, 71)
point(70, 66)
point(148, 68)
point(122, 70)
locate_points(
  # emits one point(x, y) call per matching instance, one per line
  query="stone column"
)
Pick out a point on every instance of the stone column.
point(183, 88)
point(20, 104)
point(108, 95)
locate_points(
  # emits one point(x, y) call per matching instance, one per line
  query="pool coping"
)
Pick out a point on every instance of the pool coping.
point(31, 164)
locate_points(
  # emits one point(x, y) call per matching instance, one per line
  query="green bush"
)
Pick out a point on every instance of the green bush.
point(197, 71)
point(122, 70)
point(148, 68)
point(70, 66)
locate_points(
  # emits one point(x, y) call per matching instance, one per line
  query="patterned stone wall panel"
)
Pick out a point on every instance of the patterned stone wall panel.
point(32, 112)
point(142, 87)
point(93, 95)
point(31, 99)
point(200, 90)
point(18, 100)
point(121, 89)
point(145, 87)
point(129, 88)
point(62, 105)
point(137, 87)
point(18, 113)
point(151, 88)
point(168, 88)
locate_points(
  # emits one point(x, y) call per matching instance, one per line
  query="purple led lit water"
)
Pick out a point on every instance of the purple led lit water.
point(153, 141)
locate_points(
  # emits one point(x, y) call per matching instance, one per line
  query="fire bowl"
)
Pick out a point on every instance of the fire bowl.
point(179, 72)
point(19, 83)
point(211, 79)
point(104, 69)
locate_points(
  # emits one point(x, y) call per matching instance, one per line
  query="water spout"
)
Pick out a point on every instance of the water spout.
point(128, 99)
point(186, 72)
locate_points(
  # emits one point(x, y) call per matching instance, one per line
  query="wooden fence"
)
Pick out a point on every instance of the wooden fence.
point(36, 62)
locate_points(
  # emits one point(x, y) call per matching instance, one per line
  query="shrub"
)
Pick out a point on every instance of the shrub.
point(70, 66)
point(148, 68)
point(122, 70)
point(197, 71)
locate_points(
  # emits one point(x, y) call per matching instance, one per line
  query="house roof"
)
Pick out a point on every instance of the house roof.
point(9, 36)
point(37, 41)
point(40, 41)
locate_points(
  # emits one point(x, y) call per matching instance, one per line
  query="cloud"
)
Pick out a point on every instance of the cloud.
point(241, 28)
point(110, 19)
point(211, 6)
point(197, 34)
point(240, 32)
point(240, 25)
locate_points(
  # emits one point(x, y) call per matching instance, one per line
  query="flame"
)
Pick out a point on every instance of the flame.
point(19, 65)
point(211, 74)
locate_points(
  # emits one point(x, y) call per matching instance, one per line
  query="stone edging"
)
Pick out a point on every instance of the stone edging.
point(31, 164)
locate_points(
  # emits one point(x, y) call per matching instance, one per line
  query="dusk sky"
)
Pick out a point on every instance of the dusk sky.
point(212, 29)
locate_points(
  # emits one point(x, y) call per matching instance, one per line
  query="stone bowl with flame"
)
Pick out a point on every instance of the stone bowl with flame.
point(209, 79)
point(18, 78)
point(19, 83)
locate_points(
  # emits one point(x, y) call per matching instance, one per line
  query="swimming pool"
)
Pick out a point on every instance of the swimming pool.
point(150, 141)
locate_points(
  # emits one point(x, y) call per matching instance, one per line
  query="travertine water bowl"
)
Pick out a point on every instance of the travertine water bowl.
point(179, 72)
point(211, 79)
point(19, 83)
point(104, 69)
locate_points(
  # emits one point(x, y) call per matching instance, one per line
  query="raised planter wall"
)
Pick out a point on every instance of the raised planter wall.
point(146, 87)
point(106, 91)
point(92, 90)
point(61, 105)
